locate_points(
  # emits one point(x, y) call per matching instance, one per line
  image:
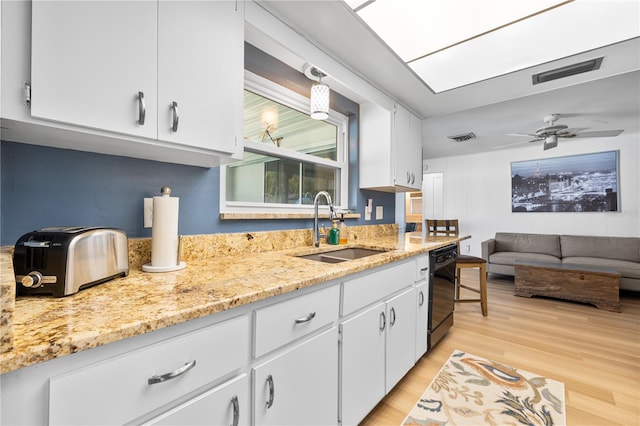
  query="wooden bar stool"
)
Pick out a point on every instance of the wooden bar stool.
point(449, 227)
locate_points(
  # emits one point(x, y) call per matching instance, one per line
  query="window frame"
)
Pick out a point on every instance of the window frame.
point(291, 99)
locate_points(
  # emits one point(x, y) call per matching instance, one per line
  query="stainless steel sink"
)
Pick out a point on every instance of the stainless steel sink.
point(342, 255)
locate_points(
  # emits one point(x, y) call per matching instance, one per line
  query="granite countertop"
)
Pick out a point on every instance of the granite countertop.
point(45, 328)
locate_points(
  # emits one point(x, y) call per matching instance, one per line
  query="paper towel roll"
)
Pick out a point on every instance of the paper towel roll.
point(164, 231)
point(164, 235)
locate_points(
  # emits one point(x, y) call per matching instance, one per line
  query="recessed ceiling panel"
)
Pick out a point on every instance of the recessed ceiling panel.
point(454, 43)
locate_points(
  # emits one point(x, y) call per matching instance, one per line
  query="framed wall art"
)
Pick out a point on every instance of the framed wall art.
point(575, 183)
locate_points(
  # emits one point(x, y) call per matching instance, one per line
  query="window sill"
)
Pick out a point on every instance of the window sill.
point(261, 216)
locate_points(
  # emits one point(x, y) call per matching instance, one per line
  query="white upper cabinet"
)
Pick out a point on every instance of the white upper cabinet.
point(160, 80)
point(89, 62)
point(390, 148)
point(200, 71)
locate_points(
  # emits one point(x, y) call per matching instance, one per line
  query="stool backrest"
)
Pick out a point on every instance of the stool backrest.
point(442, 226)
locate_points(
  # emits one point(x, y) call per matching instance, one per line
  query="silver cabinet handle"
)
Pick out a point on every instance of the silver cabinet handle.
point(308, 318)
point(408, 177)
point(392, 317)
point(173, 374)
point(383, 321)
point(413, 178)
point(271, 391)
point(425, 269)
point(420, 298)
point(176, 116)
point(236, 410)
point(142, 108)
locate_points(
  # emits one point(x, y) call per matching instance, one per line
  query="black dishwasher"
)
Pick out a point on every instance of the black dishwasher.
point(442, 264)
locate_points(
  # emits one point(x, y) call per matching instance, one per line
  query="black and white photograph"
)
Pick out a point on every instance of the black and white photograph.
point(577, 183)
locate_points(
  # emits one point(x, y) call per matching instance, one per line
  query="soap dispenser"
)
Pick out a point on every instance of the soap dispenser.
point(334, 233)
point(343, 230)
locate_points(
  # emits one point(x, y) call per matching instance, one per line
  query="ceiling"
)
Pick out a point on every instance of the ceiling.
point(604, 99)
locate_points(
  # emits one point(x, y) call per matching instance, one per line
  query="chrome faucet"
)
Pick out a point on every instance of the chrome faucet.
point(316, 232)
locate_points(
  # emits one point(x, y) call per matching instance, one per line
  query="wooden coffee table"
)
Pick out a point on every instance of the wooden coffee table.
point(581, 283)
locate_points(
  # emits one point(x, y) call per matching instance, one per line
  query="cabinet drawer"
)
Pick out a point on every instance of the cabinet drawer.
point(118, 390)
point(279, 324)
point(364, 290)
point(422, 269)
point(220, 406)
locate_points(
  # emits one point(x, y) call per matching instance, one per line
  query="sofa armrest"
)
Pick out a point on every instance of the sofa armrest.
point(488, 248)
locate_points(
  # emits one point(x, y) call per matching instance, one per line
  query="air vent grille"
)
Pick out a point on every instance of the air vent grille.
point(569, 70)
point(462, 137)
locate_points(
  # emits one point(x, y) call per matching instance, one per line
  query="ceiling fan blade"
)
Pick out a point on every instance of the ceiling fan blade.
point(531, 135)
point(570, 133)
point(510, 144)
point(600, 134)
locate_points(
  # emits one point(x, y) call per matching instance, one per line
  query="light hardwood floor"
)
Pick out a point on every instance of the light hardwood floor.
point(595, 353)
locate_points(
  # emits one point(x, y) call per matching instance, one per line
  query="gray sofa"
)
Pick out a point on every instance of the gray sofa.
point(620, 253)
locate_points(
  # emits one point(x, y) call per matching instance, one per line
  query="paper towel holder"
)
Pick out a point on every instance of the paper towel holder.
point(167, 267)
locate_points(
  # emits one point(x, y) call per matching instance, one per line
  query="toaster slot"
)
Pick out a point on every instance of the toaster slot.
point(35, 256)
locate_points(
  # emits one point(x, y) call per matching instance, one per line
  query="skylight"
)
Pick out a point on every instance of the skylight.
point(453, 43)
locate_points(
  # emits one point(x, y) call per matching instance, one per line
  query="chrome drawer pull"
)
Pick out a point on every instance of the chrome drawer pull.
point(308, 318)
point(173, 374)
point(383, 321)
point(424, 269)
point(271, 391)
point(176, 116)
point(392, 315)
point(236, 410)
point(420, 298)
point(142, 108)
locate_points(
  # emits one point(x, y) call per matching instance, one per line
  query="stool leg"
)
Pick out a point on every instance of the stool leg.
point(483, 290)
point(457, 283)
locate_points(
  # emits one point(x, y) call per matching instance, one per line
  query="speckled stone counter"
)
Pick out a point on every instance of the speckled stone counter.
point(223, 271)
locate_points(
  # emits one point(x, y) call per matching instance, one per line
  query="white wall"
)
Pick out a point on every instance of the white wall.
point(477, 191)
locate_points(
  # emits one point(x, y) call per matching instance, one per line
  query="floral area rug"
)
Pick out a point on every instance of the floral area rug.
point(471, 390)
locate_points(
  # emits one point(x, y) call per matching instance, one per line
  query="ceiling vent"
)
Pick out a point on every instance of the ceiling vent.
point(463, 137)
point(569, 70)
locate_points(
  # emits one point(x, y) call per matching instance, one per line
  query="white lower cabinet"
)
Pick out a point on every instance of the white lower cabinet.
point(299, 386)
point(422, 318)
point(227, 404)
point(401, 337)
point(144, 380)
point(362, 368)
point(378, 348)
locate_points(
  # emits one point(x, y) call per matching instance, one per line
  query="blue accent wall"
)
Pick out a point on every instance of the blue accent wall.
point(43, 186)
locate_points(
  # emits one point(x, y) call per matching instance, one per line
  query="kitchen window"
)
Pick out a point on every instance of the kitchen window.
point(288, 156)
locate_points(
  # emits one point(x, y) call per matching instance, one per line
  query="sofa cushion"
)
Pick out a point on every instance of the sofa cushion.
point(620, 248)
point(528, 243)
point(626, 268)
point(510, 257)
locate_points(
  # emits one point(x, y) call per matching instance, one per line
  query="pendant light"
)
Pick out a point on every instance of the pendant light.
point(319, 105)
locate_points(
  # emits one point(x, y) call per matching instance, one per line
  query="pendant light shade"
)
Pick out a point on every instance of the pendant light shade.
point(319, 106)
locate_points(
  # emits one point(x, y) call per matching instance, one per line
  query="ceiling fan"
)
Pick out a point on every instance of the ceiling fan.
point(551, 132)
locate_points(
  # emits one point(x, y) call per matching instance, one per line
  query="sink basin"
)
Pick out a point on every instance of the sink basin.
point(342, 255)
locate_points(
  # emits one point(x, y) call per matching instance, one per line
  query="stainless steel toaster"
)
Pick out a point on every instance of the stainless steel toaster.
point(62, 260)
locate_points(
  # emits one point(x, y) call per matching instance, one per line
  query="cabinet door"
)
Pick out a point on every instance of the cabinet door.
point(227, 404)
point(422, 318)
point(401, 336)
point(362, 366)
point(91, 59)
point(408, 148)
point(200, 68)
point(300, 386)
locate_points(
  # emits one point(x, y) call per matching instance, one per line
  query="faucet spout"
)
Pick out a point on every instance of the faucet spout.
point(316, 232)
